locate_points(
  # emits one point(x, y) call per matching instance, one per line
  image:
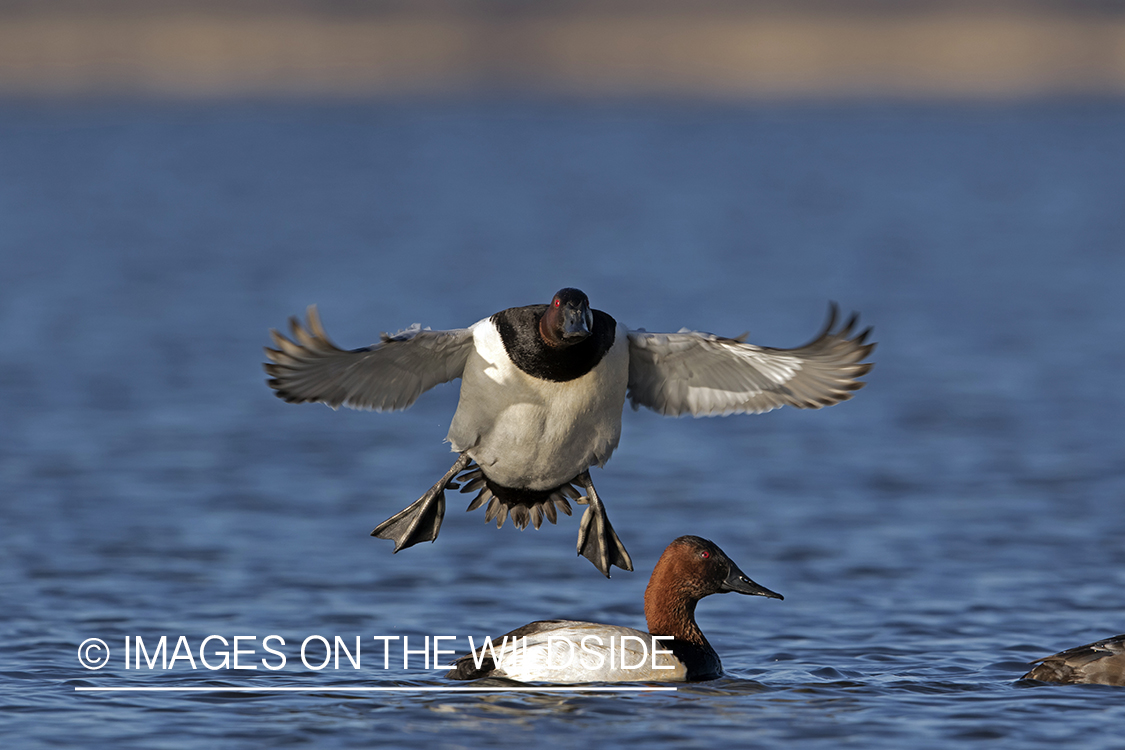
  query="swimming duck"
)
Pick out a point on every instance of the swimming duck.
point(568, 651)
point(542, 390)
point(1101, 662)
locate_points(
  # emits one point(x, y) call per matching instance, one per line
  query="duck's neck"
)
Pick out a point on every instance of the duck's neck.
point(671, 611)
point(547, 332)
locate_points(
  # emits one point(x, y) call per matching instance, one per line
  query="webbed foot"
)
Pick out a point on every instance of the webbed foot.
point(421, 521)
point(597, 541)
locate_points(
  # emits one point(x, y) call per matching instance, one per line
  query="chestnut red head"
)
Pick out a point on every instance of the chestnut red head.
point(704, 569)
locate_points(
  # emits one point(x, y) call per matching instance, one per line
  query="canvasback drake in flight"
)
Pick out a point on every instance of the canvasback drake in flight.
point(1101, 663)
point(542, 391)
point(568, 651)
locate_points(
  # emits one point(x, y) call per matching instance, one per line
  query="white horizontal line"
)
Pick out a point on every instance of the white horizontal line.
point(327, 689)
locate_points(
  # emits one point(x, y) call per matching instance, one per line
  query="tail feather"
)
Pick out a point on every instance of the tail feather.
point(522, 505)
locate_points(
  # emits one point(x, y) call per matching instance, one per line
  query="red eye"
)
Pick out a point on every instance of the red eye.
point(556, 303)
point(705, 554)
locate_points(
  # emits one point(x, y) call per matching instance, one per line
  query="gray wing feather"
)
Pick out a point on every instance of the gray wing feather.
point(386, 376)
point(703, 374)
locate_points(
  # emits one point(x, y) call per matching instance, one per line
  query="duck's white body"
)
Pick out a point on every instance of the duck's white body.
point(571, 651)
point(532, 433)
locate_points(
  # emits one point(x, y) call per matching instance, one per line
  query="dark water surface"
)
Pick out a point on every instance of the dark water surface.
point(960, 517)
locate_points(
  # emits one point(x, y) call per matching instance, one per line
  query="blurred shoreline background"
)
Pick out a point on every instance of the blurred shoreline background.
point(985, 49)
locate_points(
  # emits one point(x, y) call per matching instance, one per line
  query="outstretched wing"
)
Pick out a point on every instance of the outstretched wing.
point(706, 375)
point(386, 376)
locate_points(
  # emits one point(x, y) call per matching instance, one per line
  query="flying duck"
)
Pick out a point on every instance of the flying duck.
point(569, 651)
point(542, 391)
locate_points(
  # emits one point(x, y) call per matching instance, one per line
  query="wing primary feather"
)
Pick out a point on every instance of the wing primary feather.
point(387, 376)
point(707, 375)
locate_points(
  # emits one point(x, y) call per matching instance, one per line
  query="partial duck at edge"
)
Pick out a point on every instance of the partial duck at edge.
point(1099, 663)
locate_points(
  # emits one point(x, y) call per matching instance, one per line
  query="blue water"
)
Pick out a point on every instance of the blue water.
point(961, 516)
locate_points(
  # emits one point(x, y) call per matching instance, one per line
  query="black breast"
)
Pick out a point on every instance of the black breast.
point(701, 661)
point(519, 330)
